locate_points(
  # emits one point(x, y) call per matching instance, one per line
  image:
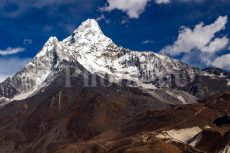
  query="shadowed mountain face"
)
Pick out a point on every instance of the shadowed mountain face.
point(85, 94)
point(112, 120)
point(222, 120)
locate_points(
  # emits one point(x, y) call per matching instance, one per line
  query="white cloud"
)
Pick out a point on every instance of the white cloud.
point(216, 45)
point(200, 38)
point(163, 1)
point(9, 66)
point(133, 8)
point(190, 0)
point(35, 3)
point(27, 41)
point(11, 51)
point(103, 18)
point(23, 6)
point(100, 18)
point(147, 42)
point(199, 46)
point(222, 62)
point(170, 1)
point(198, 59)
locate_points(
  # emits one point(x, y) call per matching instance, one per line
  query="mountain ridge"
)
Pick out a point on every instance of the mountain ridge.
point(86, 94)
point(98, 54)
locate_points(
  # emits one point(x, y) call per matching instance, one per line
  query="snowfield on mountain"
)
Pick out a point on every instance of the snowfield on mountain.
point(97, 53)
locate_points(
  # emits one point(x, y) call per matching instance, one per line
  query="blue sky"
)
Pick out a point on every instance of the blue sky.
point(194, 31)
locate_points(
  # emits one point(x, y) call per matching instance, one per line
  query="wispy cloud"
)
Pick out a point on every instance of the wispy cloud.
point(27, 41)
point(34, 3)
point(11, 51)
point(147, 42)
point(170, 1)
point(103, 18)
point(14, 8)
point(163, 1)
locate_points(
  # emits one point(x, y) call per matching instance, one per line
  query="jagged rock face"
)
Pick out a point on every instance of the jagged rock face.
point(33, 74)
point(58, 113)
point(98, 54)
point(216, 72)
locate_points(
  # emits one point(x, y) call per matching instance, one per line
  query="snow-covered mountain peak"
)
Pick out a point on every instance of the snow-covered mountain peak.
point(89, 32)
point(51, 40)
point(48, 47)
point(90, 24)
point(96, 53)
point(89, 29)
